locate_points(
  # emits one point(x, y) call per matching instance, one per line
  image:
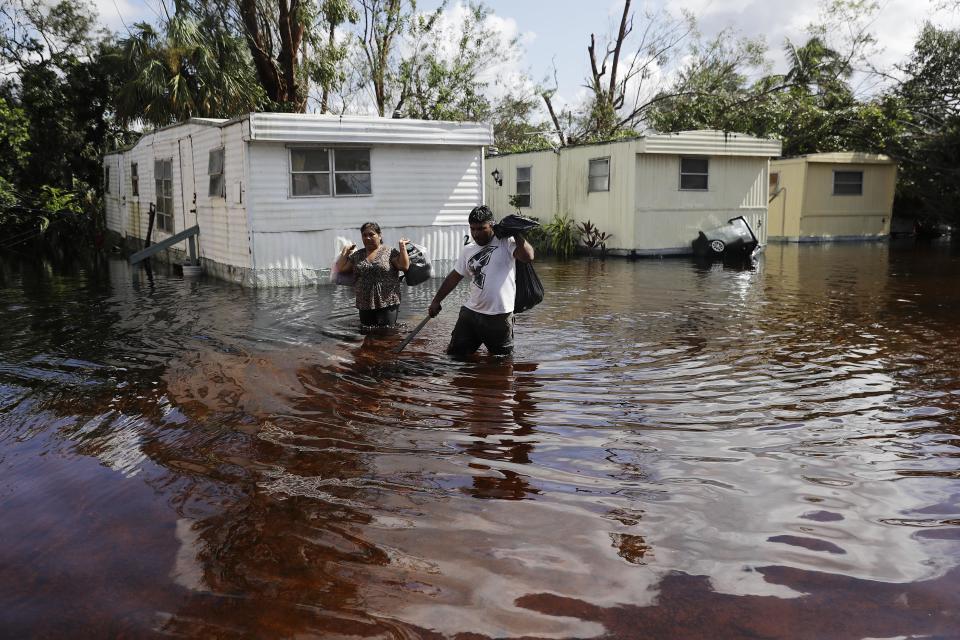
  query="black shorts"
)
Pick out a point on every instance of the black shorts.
point(385, 317)
point(473, 329)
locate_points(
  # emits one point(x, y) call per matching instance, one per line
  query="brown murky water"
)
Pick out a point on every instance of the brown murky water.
point(674, 452)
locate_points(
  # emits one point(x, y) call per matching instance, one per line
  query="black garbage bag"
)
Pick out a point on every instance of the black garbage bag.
point(420, 269)
point(529, 288)
point(513, 224)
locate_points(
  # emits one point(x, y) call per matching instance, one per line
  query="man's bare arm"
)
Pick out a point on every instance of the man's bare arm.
point(449, 284)
point(524, 250)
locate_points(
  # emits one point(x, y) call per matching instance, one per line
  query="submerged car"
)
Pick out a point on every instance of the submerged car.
point(734, 240)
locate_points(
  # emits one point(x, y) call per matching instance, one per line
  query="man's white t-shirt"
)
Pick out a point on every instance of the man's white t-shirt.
point(492, 271)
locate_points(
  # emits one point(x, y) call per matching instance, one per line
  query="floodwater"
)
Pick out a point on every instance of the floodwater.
point(674, 451)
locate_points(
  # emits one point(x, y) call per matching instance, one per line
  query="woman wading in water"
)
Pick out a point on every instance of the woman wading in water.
point(377, 270)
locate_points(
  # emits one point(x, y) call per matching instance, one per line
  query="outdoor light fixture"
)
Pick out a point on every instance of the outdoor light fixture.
point(497, 177)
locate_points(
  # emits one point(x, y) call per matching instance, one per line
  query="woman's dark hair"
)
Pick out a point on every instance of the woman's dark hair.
point(371, 225)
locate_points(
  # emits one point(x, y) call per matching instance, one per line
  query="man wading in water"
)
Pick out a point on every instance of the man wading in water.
point(487, 316)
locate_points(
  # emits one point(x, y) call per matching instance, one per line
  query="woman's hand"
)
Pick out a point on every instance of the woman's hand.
point(343, 260)
point(402, 262)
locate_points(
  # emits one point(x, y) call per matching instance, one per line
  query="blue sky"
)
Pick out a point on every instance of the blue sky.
point(558, 31)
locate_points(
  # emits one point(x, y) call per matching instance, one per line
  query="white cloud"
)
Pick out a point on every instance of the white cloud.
point(119, 15)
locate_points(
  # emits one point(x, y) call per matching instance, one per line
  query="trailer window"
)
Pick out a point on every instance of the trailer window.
point(599, 175)
point(694, 174)
point(163, 179)
point(848, 183)
point(352, 172)
point(310, 172)
point(324, 172)
point(522, 198)
point(217, 188)
point(134, 180)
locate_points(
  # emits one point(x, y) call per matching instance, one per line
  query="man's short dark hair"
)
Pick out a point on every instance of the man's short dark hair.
point(481, 215)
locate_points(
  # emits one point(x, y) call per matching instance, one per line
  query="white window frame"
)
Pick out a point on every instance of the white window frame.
point(836, 171)
point(529, 183)
point(220, 175)
point(331, 171)
point(590, 175)
point(160, 198)
point(694, 173)
point(134, 179)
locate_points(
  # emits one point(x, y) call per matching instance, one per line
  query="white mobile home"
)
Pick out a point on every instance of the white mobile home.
point(654, 193)
point(276, 195)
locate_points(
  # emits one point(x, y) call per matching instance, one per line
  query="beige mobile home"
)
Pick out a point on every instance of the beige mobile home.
point(831, 196)
point(654, 193)
point(276, 195)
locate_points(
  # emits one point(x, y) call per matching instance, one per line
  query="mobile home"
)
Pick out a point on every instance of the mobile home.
point(276, 195)
point(831, 196)
point(653, 193)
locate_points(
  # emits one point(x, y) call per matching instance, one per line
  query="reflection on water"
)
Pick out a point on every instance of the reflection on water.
point(675, 450)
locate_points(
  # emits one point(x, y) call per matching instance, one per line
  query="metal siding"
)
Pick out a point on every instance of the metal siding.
point(785, 209)
point(138, 206)
point(223, 221)
point(299, 127)
point(669, 219)
point(300, 257)
point(113, 199)
point(543, 188)
point(611, 211)
point(825, 215)
point(412, 186)
point(710, 143)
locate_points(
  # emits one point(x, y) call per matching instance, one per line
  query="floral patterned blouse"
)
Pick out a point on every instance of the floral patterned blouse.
point(378, 282)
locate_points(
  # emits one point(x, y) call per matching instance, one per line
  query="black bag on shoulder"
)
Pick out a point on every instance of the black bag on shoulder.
point(529, 288)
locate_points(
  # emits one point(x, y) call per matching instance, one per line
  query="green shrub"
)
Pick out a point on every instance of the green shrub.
point(562, 235)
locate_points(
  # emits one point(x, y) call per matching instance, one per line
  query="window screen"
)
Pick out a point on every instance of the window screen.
point(694, 174)
point(599, 175)
point(523, 187)
point(848, 183)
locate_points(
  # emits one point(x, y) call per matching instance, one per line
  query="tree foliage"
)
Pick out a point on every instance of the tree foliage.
point(56, 111)
point(194, 67)
point(928, 149)
point(327, 68)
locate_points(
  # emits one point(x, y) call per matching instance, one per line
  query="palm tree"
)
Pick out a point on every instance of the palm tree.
point(817, 68)
point(194, 68)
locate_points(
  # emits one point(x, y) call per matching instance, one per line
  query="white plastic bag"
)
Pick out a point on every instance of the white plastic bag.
point(337, 276)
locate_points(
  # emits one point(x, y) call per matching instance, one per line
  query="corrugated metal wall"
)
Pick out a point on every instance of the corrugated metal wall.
point(412, 186)
point(223, 233)
point(808, 210)
point(223, 221)
point(710, 143)
point(425, 193)
point(543, 188)
point(113, 197)
point(308, 128)
point(784, 210)
point(422, 191)
point(611, 211)
point(825, 215)
point(644, 208)
point(669, 219)
point(290, 258)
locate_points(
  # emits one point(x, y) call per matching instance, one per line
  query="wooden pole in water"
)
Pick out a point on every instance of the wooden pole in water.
point(413, 334)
